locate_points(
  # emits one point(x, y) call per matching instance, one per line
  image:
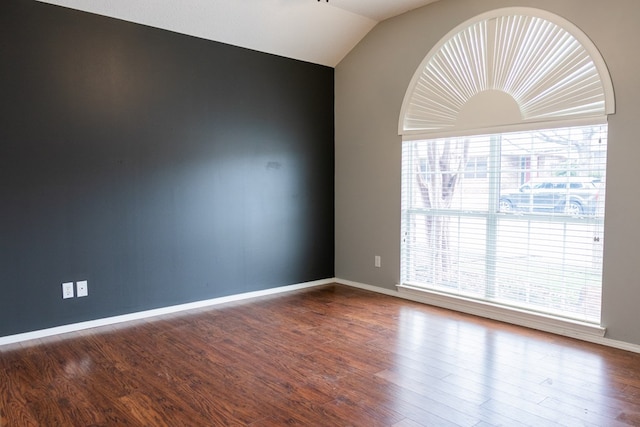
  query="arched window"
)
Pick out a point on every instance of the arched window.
point(504, 128)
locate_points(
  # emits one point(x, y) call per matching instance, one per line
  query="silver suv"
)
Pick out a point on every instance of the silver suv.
point(573, 196)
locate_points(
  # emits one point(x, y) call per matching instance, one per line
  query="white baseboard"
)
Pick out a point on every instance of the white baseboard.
point(576, 330)
point(42, 333)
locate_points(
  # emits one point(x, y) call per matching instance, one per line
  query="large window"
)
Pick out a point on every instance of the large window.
point(504, 129)
point(524, 229)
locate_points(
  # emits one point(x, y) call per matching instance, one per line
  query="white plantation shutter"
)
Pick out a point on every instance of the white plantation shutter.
point(508, 72)
point(504, 161)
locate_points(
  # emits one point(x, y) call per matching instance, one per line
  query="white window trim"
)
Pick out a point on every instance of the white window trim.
point(516, 127)
point(482, 308)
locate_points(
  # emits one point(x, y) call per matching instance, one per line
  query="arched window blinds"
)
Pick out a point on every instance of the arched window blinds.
point(509, 69)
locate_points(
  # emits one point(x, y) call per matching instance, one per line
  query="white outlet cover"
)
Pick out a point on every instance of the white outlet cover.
point(83, 288)
point(67, 290)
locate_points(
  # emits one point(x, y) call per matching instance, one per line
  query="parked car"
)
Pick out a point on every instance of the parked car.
point(569, 195)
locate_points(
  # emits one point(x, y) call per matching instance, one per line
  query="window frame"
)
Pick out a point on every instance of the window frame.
point(412, 127)
point(480, 201)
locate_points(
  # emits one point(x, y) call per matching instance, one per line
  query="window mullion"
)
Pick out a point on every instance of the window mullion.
point(491, 243)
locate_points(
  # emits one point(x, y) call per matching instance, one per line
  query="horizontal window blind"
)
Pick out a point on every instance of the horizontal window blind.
point(515, 218)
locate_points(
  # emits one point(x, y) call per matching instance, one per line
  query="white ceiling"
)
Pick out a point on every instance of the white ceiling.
point(309, 30)
point(378, 10)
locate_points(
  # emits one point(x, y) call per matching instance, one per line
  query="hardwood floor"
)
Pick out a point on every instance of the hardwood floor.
point(328, 356)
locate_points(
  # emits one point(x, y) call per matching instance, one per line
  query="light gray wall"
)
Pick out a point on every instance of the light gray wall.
point(370, 86)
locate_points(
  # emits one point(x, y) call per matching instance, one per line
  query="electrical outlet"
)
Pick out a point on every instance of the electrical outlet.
point(83, 288)
point(377, 261)
point(67, 290)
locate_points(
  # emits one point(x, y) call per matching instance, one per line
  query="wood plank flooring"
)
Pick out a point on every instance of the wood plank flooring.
point(327, 356)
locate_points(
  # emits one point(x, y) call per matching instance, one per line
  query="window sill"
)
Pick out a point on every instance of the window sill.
point(547, 323)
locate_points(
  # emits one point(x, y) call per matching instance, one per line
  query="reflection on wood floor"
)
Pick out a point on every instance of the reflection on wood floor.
point(327, 356)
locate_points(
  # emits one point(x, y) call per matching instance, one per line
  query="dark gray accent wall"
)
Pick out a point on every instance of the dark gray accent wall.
point(162, 168)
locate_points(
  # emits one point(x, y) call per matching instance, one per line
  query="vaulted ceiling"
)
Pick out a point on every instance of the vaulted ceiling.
point(321, 32)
